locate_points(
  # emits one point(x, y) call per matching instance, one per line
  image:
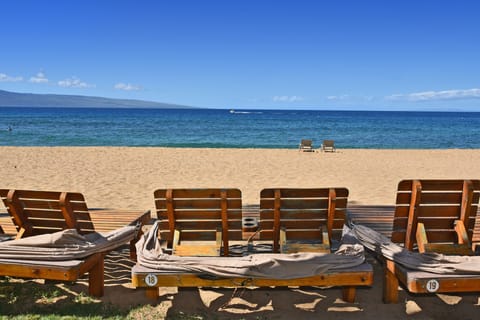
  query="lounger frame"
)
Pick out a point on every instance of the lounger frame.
point(317, 207)
point(37, 212)
point(433, 215)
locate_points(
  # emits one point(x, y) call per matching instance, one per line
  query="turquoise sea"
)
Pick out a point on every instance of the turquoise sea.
point(215, 128)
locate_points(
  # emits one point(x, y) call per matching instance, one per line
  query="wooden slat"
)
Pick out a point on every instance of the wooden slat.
point(51, 204)
point(303, 214)
point(201, 224)
point(197, 193)
point(431, 223)
point(202, 235)
point(430, 211)
point(234, 214)
point(437, 198)
point(198, 203)
point(54, 214)
point(302, 203)
point(300, 234)
point(300, 224)
point(438, 185)
point(48, 195)
point(442, 236)
point(304, 193)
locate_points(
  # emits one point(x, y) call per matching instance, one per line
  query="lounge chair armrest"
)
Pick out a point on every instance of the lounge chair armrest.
point(421, 236)
point(461, 233)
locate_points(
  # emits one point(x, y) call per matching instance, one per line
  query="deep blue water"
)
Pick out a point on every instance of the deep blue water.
point(248, 129)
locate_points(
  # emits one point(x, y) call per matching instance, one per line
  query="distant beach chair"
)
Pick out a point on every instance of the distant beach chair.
point(306, 145)
point(436, 216)
point(328, 146)
point(190, 217)
point(43, 214)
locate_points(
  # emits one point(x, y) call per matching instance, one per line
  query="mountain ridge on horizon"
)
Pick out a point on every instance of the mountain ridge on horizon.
point(17, 99)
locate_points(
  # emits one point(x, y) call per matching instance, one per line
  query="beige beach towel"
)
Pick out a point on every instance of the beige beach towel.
point(64, 245)
point(429, 262)
point(277, 266)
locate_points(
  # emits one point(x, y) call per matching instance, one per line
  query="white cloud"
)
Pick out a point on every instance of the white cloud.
point(39, 78)
point(287, 98)
point(127, 87)
point(437, 95)
point(74, 82)
point(7, 78)
point(342, 97)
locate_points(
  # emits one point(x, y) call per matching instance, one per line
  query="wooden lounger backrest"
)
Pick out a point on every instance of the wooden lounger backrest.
point(40, 212)
point(437, 204)
point(306, 143)
point(198, 213)
point(329, 143)
point(302, 212)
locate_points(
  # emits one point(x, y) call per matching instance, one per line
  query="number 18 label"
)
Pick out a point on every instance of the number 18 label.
point(151, 280)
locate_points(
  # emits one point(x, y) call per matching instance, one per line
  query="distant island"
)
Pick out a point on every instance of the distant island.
point(15, 99)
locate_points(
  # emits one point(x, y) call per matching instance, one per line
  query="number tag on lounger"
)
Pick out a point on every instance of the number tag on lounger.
point(432, 285)
point(151, 280)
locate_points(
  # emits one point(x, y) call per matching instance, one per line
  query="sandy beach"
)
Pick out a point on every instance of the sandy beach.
point(125, 178)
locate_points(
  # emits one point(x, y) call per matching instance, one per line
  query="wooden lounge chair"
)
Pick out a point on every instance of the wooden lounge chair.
point(191, 218)
point(433, 216)
point(349, 278)
point(308, 220)
point(35, 212)
point(42, 212)
point(306, 145)
point(328, 146)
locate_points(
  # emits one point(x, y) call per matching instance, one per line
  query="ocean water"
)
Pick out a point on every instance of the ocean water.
point(241, 129)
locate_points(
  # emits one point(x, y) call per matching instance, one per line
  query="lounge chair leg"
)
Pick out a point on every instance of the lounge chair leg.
point(151, 293)
point(96, 279)
point(390, 283)
point(348, 294)
point(133, 250)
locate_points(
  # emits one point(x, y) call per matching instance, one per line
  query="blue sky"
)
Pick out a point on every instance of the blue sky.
point(389, 55)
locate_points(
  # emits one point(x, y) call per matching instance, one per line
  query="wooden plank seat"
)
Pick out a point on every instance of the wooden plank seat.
point(433, 216)
point(199, 222)
point(42, 212)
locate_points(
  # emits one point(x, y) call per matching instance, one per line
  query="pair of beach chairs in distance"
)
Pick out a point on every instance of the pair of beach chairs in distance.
point(44, 251)
point(307, 145)
point(430, 215)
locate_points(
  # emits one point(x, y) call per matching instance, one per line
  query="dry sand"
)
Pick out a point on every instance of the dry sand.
point(126, 178)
